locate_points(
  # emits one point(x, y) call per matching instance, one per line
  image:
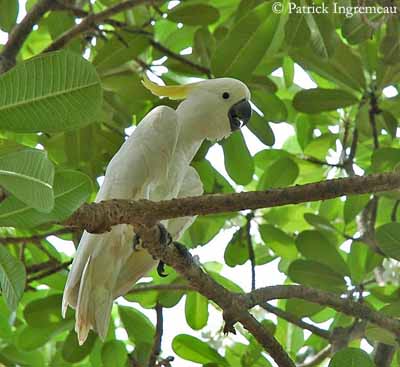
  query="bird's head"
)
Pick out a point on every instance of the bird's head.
point(217, 107)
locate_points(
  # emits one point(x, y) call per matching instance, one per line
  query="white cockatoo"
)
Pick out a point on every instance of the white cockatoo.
point(153, 163)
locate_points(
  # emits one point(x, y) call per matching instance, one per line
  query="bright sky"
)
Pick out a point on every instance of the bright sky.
point(175, 322)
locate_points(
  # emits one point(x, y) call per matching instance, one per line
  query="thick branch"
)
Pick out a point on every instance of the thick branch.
point(346, 306)
point(20, 33)
point(91, 20)
point(100, 217)
point(235, 306)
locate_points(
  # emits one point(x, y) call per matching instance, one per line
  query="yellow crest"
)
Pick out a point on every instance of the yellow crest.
point(170, 91)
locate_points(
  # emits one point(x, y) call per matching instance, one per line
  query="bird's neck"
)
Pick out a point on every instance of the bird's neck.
point(188, 142)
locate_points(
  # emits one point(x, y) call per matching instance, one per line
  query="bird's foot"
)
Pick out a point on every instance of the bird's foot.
point(137, 244)
point(165, 240)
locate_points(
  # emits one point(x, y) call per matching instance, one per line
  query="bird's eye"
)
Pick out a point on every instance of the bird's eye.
point(225, 95)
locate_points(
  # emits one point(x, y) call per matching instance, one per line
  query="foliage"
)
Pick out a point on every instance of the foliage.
point(63, 116)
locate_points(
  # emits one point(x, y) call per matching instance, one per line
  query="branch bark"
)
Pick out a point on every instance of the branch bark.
point(20, 33)
point(100, 217)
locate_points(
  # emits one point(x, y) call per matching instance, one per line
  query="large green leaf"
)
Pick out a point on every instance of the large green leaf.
point(315, 274)
point(388, 237)
point(279, 241)
point(353, 205)
point(256, 34)
point(192, 349)
point(116, 52)
point(52, 92)
point(138, 326)
point(113, 353)
point(12, 278)
point(29, 175)
point(351, 357)
point(238, 161)
point(283, 172)
point(71, 189)
point(8, 14)
point(318, 100)
point(194, 14)
point(73, 352)
point(260, 127)
point(237, 251)
point(315, 246)
point(196, 310)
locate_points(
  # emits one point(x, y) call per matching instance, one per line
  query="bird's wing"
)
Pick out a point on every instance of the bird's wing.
point(143, 158)
point(191, 186)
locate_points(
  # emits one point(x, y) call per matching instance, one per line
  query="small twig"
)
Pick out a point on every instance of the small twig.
point(156, 349)
point(296, 321)
point(35, 238)
point(373, 111)
point(51, 271)
point(90, 20)
point(318, 358)
point(161, 288)
point(321, 162)
point(250, 248)
point(344, 305)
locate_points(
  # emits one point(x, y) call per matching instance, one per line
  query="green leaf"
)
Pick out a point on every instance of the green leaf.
point(388, 237)
point(8, 14)
point(238, 161)
point(273, 108)
point(318, 147)
point(385, 159)
point(261, 128)
point(279, 241)
point(356, 30)
point(192, 349)
point(357, 260)
point(113, 353)
point(281, 173)
point(115, 53)
point(344, 68)
point(323, 34)
point(228, 284)
point(236, 252)
point(71, 189)
point(196, 310)
point(351, 357)
point(317, 275)
point(297, 33)
point(138, 326)
point(315, 246)
point(52, 92)
point(318, 100)
point(29, 175)
point(44, 312)
point(302, 308)
point(353, 205)
point(390, 123)
point(288, 71)
point(194, 14)
point(204, 45)
point(256, 34)
point(73, 352)
point(12, 278)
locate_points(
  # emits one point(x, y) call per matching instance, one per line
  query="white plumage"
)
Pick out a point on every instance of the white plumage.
point(153, 163)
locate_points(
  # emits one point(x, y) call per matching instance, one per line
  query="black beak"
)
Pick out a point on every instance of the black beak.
point(239, 114)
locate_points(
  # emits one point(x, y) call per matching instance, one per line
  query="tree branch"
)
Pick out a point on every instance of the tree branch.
point(234, 306)
point(34, 238)
point(100, 217)
point(250, 248)
point(318, 358)
point(296, 321)
point(346, 306)
point(20, 33)
point(92, 19)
